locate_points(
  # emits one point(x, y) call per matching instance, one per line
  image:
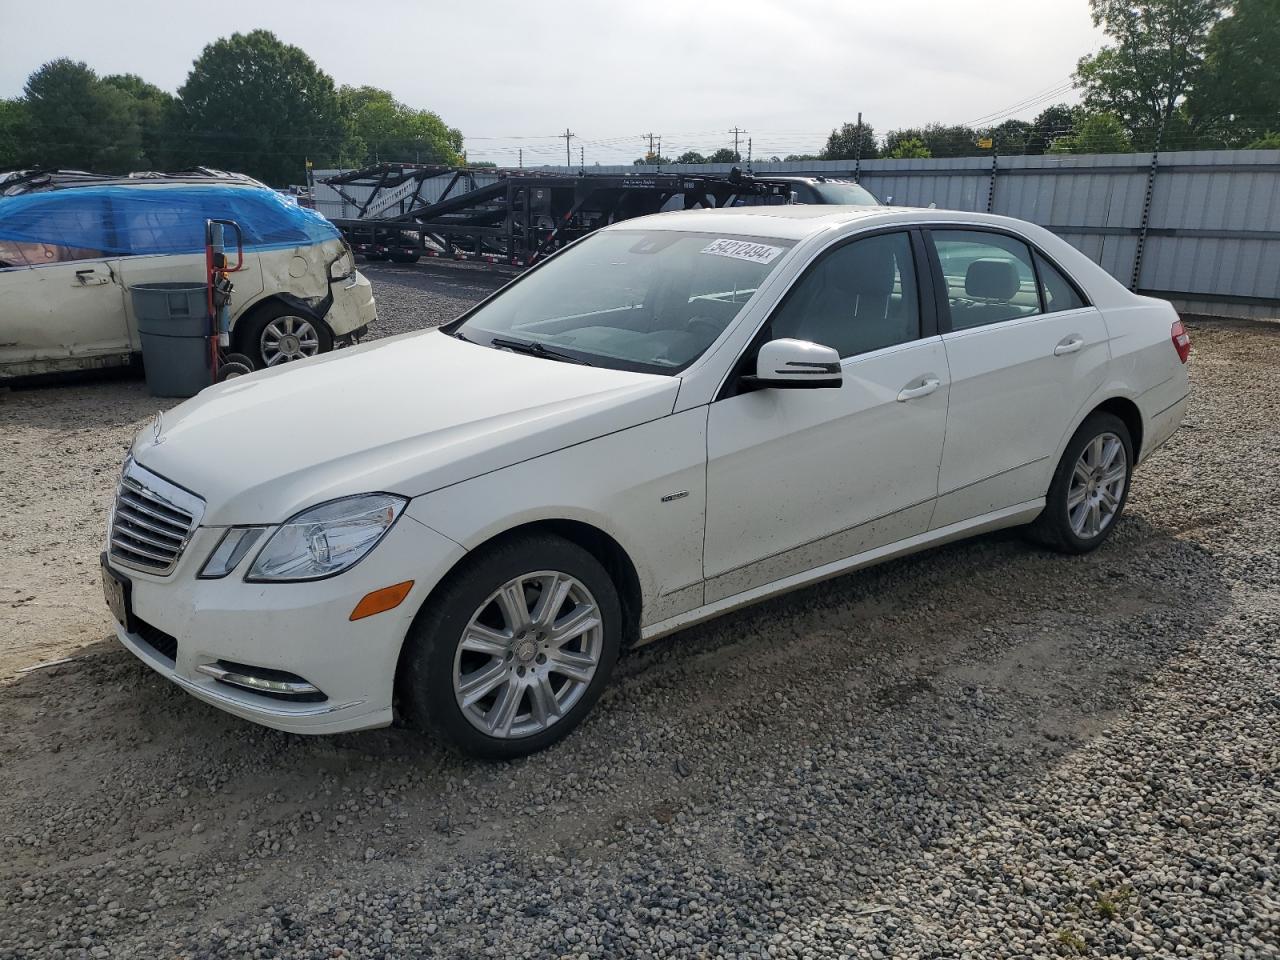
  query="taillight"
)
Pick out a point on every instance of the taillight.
point(1181, 340)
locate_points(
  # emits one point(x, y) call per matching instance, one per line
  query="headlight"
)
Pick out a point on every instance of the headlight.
point(231, 549)
point(327, 539)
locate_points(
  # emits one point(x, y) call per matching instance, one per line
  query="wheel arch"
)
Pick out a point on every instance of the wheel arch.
point(1129, 415)
point(269, 302)
point(611, 554)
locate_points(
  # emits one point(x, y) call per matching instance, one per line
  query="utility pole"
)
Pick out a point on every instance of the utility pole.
point(650, 136)
point(568, 155)
point(857, 150)
point(736, 133)
point(522, 158)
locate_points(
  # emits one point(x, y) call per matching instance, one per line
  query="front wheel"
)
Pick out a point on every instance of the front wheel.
point(514, 648)
point(276, 334)
point(1089, 488)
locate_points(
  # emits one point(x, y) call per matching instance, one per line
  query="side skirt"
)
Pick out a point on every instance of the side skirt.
point(997, 519)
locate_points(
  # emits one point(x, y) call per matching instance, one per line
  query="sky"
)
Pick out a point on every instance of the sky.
point(515, 75)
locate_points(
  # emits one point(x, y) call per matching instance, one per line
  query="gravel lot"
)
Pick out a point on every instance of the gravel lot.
point(984, 751)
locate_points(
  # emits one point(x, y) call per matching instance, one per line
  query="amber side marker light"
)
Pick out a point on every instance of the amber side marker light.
point(388, 598)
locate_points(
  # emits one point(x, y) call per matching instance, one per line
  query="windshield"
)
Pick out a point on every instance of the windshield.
point(645, 300)
point(844, 191)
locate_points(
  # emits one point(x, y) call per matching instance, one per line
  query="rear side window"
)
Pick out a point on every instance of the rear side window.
point(989, 277)
point(1059, 292)
point(856, 298)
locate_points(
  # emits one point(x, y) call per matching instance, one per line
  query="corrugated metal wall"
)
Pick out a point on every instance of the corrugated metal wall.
point(1210, 240)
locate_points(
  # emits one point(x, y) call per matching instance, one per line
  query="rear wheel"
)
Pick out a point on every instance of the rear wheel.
point(1089, 488)
point(514, 648)
point(405, 257)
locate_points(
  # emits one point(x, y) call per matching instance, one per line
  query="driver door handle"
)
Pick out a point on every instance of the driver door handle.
point(915, 393)
point(1070, 345)
point(90, 278)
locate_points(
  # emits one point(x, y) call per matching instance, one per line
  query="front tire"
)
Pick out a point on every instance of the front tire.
point(276, 333)
point(513, 649)
point(1089, 488)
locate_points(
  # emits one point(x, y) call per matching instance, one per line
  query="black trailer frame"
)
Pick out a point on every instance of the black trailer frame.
point(523, 215)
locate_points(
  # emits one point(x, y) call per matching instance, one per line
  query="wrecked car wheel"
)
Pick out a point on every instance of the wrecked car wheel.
point(280, 334)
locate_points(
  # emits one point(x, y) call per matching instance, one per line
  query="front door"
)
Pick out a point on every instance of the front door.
point(801, 478)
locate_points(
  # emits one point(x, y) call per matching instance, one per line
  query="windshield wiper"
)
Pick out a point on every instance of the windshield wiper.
point(535, 349)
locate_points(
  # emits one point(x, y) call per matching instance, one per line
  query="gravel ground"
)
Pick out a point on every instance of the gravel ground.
point(985, 751)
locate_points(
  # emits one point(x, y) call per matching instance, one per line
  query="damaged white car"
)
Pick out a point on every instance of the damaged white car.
point(71, 246)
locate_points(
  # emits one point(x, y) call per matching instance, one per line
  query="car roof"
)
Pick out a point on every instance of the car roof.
point(801, 220)
point(44, 181)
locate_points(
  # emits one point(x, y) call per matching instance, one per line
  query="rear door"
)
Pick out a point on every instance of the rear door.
point(1025, 351)
point(63, 302)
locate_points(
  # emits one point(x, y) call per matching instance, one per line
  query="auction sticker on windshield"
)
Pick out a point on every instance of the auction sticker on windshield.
point(742, 250)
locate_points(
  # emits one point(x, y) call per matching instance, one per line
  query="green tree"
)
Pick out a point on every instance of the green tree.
point(691, 156)
point(845, 142)
point(13, 134)
point(724, 155)
point(74, 120)
point(384, 129)
point(1095, 133)
point(155, 113)
point(801, 157)
point(940, 139)
point(259, 106)
point(1052, 122)
point(650, 158)
point(1011, 137)
point(1238, 94)
point(1156, 57)
point(1268, 141)
point(912, 148)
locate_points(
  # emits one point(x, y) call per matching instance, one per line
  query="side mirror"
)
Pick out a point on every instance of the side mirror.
point(796, 365)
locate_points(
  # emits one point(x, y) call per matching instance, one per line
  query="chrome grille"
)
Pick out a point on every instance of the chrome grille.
point(152, 520)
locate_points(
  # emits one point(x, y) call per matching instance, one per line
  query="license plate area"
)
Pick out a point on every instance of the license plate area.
point(117, 590)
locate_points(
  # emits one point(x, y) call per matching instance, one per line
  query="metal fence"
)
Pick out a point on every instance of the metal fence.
point(1201, 228)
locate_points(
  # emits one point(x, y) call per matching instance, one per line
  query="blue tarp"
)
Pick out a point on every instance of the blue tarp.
point(87, 222)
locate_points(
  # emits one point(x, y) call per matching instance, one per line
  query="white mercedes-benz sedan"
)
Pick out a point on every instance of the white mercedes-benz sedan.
point(669, 419)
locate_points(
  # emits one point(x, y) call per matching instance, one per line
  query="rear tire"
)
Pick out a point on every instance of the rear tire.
point(405, 257)
point(1089, 488)
point(495, 668)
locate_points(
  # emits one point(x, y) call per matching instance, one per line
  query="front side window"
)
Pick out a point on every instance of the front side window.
point(862, 296)
point(55, 227)
point(645, 300)
point(989, 277)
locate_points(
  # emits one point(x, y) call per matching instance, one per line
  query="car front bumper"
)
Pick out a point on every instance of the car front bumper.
point(182, 623)
point(353, 306)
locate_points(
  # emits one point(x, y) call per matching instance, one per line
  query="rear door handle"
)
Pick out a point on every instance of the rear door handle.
point(915, 393)
point(1070, 345)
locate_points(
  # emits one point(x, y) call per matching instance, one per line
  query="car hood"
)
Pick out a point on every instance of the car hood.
point(406, 415)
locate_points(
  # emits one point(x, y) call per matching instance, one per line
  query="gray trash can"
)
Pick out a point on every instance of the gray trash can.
point(173, 323)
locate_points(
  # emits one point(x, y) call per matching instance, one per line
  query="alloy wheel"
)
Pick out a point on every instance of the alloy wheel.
point(1097, 485)
point(528, 654)
point(288, 338)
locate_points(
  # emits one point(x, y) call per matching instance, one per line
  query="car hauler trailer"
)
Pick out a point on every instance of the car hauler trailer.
point(521, 216)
